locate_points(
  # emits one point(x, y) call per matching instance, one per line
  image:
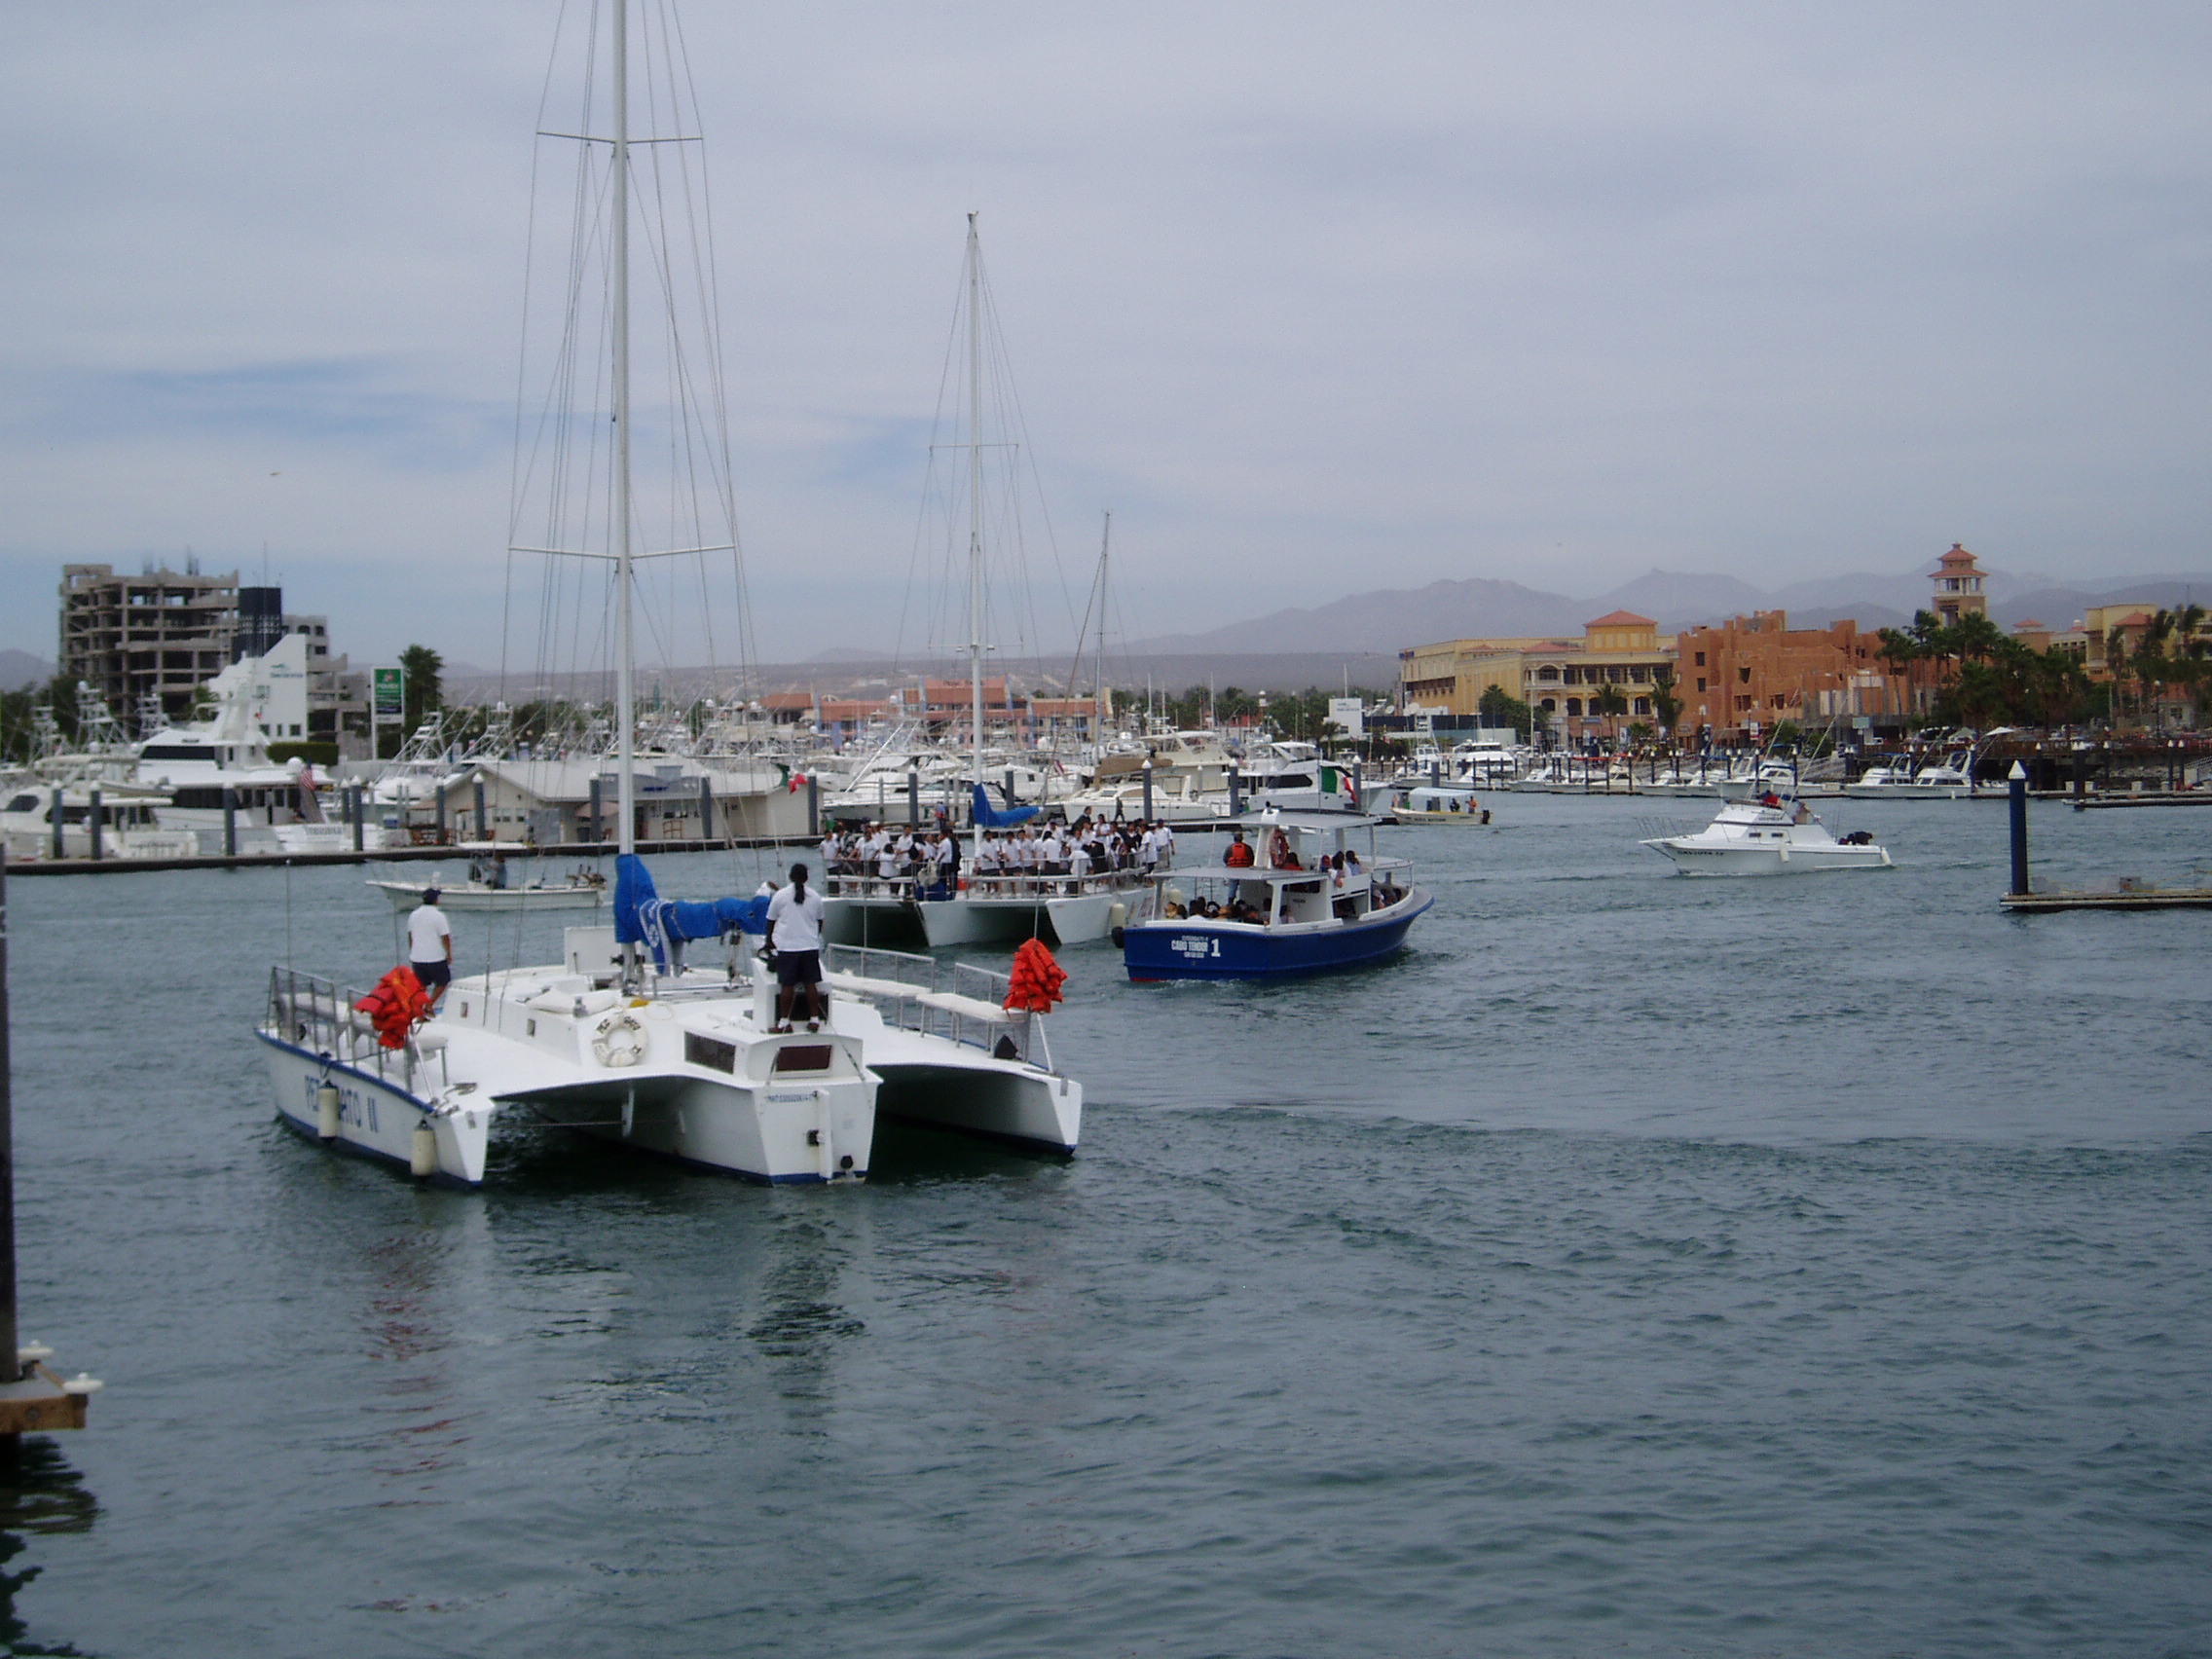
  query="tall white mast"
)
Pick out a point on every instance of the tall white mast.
point(975, 516)
point(1099, 703)
point(625, 710)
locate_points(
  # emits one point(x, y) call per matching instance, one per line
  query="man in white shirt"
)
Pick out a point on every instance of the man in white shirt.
point(794, 929)
point(429, 946)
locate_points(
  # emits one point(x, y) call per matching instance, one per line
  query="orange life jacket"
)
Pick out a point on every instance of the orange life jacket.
point(394, 1006)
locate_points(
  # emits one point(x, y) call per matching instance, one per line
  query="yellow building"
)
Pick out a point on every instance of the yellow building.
point(1451, 677)
point(1620, 651)
point(1564, 678)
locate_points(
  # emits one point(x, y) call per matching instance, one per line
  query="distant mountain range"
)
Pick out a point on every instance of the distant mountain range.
point(18, 669)
point(1483, 608)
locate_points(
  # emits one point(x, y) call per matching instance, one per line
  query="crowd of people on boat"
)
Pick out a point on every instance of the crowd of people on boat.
point(932, 863)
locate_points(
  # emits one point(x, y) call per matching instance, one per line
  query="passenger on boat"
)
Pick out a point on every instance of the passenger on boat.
point(1240, 854)
point(429, 946)
point(1279, 854)
point(794, 929)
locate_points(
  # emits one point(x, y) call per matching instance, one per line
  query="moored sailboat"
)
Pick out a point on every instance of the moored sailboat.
point(624, 1038)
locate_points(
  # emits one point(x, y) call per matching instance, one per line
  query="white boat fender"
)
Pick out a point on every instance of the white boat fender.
point(1116, 913)
point(423, 1152)
point(326, 1111)
point(619, 1040)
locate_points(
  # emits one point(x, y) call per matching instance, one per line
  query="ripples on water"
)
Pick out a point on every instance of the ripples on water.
point(1642, 1266)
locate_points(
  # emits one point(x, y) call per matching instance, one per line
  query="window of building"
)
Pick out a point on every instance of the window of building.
point(1701, 659)
point(1701, 682)
point(1575, 705)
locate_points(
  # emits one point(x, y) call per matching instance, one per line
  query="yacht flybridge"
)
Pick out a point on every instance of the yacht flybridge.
point(623, 1039)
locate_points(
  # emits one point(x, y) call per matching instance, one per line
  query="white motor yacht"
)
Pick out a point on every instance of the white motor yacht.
point(1753, 838)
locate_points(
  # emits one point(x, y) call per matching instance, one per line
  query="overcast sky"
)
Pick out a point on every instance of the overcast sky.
point(1316, 298)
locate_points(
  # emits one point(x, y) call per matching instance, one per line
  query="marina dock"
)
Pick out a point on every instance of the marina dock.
point(379, 854)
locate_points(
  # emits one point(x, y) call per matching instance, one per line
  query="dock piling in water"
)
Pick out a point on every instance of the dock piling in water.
point(2017, 781)
point(32, 1398)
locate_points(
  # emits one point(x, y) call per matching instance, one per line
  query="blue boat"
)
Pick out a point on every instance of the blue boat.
point(1287, 894)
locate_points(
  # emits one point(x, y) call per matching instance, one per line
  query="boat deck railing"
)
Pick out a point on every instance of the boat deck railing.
point(991, 884)
point(310, 1012)
point(954, 1000)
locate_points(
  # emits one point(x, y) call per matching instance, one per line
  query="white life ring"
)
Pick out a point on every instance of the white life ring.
point(620, 1041)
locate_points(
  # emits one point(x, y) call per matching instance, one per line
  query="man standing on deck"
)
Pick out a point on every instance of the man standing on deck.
point(794, 929)
point(429, 946)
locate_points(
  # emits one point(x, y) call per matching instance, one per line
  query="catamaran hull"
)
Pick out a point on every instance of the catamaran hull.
point(1022, 1107)
point(853, 920)
point(1202, 950)
point(377, 1116)
point(1692, 859)
point(774, 1135)
point(1078, 918)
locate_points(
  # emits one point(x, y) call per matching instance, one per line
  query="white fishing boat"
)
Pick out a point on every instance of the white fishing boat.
point(1452, 804)
point(623, 1039)
point(1754, 837)
point(577, 890)
point(1950, 778)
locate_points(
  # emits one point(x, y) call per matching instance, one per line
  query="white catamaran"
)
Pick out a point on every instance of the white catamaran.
point(622, 1038)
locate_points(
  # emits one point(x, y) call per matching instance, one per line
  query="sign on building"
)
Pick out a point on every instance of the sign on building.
point(387, 696)
point(1349, 715)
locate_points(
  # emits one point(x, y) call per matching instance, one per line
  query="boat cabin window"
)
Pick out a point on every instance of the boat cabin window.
point(23, 804)
point(711, 1051)
point(804, 1057)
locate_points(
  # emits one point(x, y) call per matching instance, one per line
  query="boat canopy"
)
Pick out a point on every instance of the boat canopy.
point(642, 916)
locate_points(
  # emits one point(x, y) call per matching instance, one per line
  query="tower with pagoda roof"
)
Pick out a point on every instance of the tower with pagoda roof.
point(1959, 587)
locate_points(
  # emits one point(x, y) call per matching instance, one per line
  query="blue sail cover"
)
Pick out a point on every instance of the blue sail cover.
point(642, 916)
point(988, 816)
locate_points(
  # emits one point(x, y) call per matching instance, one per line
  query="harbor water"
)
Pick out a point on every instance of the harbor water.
point(1636, 1265)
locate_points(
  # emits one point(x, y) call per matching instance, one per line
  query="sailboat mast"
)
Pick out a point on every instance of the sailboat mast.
point(1098, 700)
point(975, 516)
point(625, 710)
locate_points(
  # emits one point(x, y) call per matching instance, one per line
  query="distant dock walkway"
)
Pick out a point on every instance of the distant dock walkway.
point(380, 855)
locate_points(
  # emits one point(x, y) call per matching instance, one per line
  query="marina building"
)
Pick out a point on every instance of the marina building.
point(1566, 679)
point(1959, 587)
point(152, 641)
point(159, 635)
point(1740, 679)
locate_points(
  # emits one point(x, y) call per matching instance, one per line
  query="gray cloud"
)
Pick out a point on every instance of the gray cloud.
point(1358, 297)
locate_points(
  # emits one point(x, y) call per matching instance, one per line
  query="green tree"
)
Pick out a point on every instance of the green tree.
point(1666, 706)
point(1498, 707)
point(426, 684)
